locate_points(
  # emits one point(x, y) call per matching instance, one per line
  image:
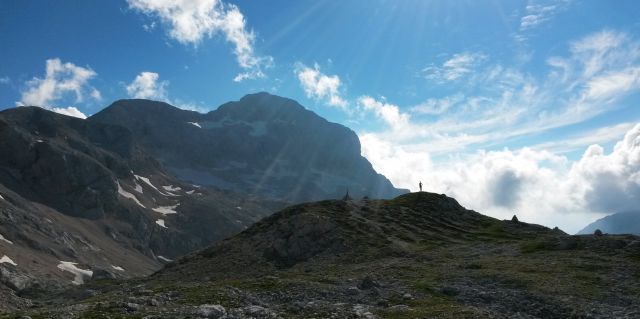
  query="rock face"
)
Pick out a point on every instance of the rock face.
point(262, 144)
point(88, 194)
point(619, 223)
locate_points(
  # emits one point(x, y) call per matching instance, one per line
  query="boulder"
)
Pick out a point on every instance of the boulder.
point(100, 274)
point(211, 311)
point(368, 283)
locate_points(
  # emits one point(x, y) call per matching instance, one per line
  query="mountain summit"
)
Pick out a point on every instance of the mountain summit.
point(262, 144)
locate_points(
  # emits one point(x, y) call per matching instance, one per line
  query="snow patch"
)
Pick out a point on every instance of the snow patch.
point(118, 268)
point(39, 141)
point(171, 188)
point(139, 188)
point(238, 208)
point(160, 223)
point(2, 197)
point(190, 192)
point(147, 181)
point(195, 124)
point(166, 210)
point(80, 274)
point(128, 195)
point(5, 240)
point(165, 259)
point(7, 260)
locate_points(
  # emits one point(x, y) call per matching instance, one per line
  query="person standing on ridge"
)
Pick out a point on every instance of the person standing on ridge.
point(420, 185)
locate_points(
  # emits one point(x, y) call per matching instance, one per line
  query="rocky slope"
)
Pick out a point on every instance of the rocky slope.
point(420, 255)
point(263, 145)
point(81, 199)
point(619, 223)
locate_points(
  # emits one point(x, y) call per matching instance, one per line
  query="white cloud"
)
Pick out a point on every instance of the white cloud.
point(537, 185)
point(499, 104)
point(5, 80)
point(190, 21)
point(575, 142)
point(320, 86)
point(60, 79)
point(438, 106)
point(69, 111)
point(454, 68)
point(147, 86)
point(537, 14)
point(388, 112)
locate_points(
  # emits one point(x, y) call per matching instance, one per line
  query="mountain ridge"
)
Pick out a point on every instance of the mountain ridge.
point(261, 144)
point(419, 255)
point(617, 223)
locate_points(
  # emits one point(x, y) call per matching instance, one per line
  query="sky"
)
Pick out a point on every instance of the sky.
point(511, 107)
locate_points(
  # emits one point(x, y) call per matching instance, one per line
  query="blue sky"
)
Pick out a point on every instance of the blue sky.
point(497, 103)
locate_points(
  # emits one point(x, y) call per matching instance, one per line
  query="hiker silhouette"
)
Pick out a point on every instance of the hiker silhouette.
point(420, 185)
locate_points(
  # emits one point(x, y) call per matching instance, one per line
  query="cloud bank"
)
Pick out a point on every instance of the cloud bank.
point(537, 185)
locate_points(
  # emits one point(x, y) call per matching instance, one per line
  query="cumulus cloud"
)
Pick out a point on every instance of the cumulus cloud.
point(537, 185)
point(389, 113)
point(60, 79)
point(446, 150)
point(146, 85)
point(612, 180)
point(5, 80)
point(190, 21)
point(318, 85)
point(454, 68)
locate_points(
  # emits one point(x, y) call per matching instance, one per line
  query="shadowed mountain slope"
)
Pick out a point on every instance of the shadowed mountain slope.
point(87, 193)
point(262, 144)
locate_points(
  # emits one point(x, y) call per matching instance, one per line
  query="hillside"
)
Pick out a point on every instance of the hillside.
point(420, 255)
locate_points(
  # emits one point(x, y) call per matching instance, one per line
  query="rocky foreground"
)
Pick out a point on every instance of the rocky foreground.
point(421, 255)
